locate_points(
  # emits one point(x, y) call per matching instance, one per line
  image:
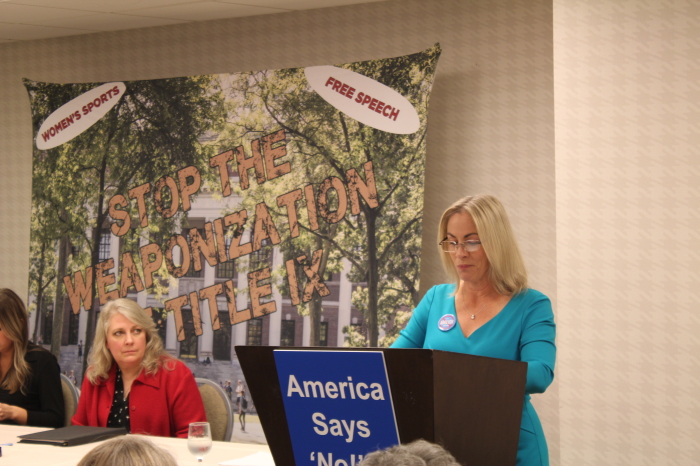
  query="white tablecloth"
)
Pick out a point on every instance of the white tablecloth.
point(25, 454)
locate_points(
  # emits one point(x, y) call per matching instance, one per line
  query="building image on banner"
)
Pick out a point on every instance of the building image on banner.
point(277, 207)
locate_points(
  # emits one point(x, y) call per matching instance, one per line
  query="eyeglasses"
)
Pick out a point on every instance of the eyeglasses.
point(468, 246)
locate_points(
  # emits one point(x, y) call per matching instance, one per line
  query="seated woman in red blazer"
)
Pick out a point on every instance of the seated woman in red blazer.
point(132, 382)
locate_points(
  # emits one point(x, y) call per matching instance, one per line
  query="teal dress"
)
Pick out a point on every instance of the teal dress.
point(524, 330)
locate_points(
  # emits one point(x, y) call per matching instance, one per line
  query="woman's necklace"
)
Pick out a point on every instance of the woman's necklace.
point(472, 316)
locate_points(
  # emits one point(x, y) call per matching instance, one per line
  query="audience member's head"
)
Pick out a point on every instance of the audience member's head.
point(14, 338)
point(102, 356)
point(128, 451)
point(416, 453)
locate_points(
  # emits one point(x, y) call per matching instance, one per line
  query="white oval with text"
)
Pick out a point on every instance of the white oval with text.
point(364, 99)
point(76, 116)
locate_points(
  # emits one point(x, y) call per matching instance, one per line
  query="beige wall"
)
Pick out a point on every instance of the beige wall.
point(607, 225)
point(627, 110)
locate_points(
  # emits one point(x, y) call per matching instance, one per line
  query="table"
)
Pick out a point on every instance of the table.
point(26, 454)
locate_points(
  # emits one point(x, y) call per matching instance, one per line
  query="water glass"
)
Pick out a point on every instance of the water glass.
point(199, 439)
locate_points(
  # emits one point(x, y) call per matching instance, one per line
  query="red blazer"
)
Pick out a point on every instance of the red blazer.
point(163, 404)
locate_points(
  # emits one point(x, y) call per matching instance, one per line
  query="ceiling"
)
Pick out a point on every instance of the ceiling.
point(43, 19)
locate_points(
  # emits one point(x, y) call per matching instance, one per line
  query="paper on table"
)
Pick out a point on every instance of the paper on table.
point(256, 459)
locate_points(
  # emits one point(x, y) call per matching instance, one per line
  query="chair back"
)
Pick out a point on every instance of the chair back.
point(70, 397)
point(218, 409)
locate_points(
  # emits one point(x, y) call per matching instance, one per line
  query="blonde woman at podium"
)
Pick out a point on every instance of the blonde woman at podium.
point(132, 381)
point(488, 310)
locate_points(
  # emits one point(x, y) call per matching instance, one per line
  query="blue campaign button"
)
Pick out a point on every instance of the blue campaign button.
point(446, 322)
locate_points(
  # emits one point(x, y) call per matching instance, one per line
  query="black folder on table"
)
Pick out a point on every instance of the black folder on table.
point(72, 435)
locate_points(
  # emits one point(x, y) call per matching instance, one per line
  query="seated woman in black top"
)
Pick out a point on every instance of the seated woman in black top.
point(30, 381)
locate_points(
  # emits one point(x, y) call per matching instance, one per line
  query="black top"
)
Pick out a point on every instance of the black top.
point(119, 414)
point(44, 394)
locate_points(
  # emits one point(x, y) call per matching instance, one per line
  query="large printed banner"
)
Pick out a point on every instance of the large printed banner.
point(244, 186)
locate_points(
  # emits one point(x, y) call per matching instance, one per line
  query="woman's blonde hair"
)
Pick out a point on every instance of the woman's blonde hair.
point(128, 451)
point(507, 272)
point(13, 323)
point(101, 359)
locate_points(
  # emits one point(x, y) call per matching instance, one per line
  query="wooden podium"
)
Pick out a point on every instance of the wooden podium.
point(471, 405)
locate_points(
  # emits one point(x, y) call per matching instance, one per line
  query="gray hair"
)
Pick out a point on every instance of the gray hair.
point(417, 453)
point(128, 451)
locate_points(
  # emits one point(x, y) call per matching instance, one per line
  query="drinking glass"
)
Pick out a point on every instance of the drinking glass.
point(199, 439)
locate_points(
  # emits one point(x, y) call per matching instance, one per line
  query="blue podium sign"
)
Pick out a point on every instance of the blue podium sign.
point(338, 405)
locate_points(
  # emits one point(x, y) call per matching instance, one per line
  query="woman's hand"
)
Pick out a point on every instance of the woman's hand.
point(13, 413)
point(5, 412)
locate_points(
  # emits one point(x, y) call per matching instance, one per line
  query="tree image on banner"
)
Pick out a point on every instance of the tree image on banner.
point(153, 130)
point(379, 235)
